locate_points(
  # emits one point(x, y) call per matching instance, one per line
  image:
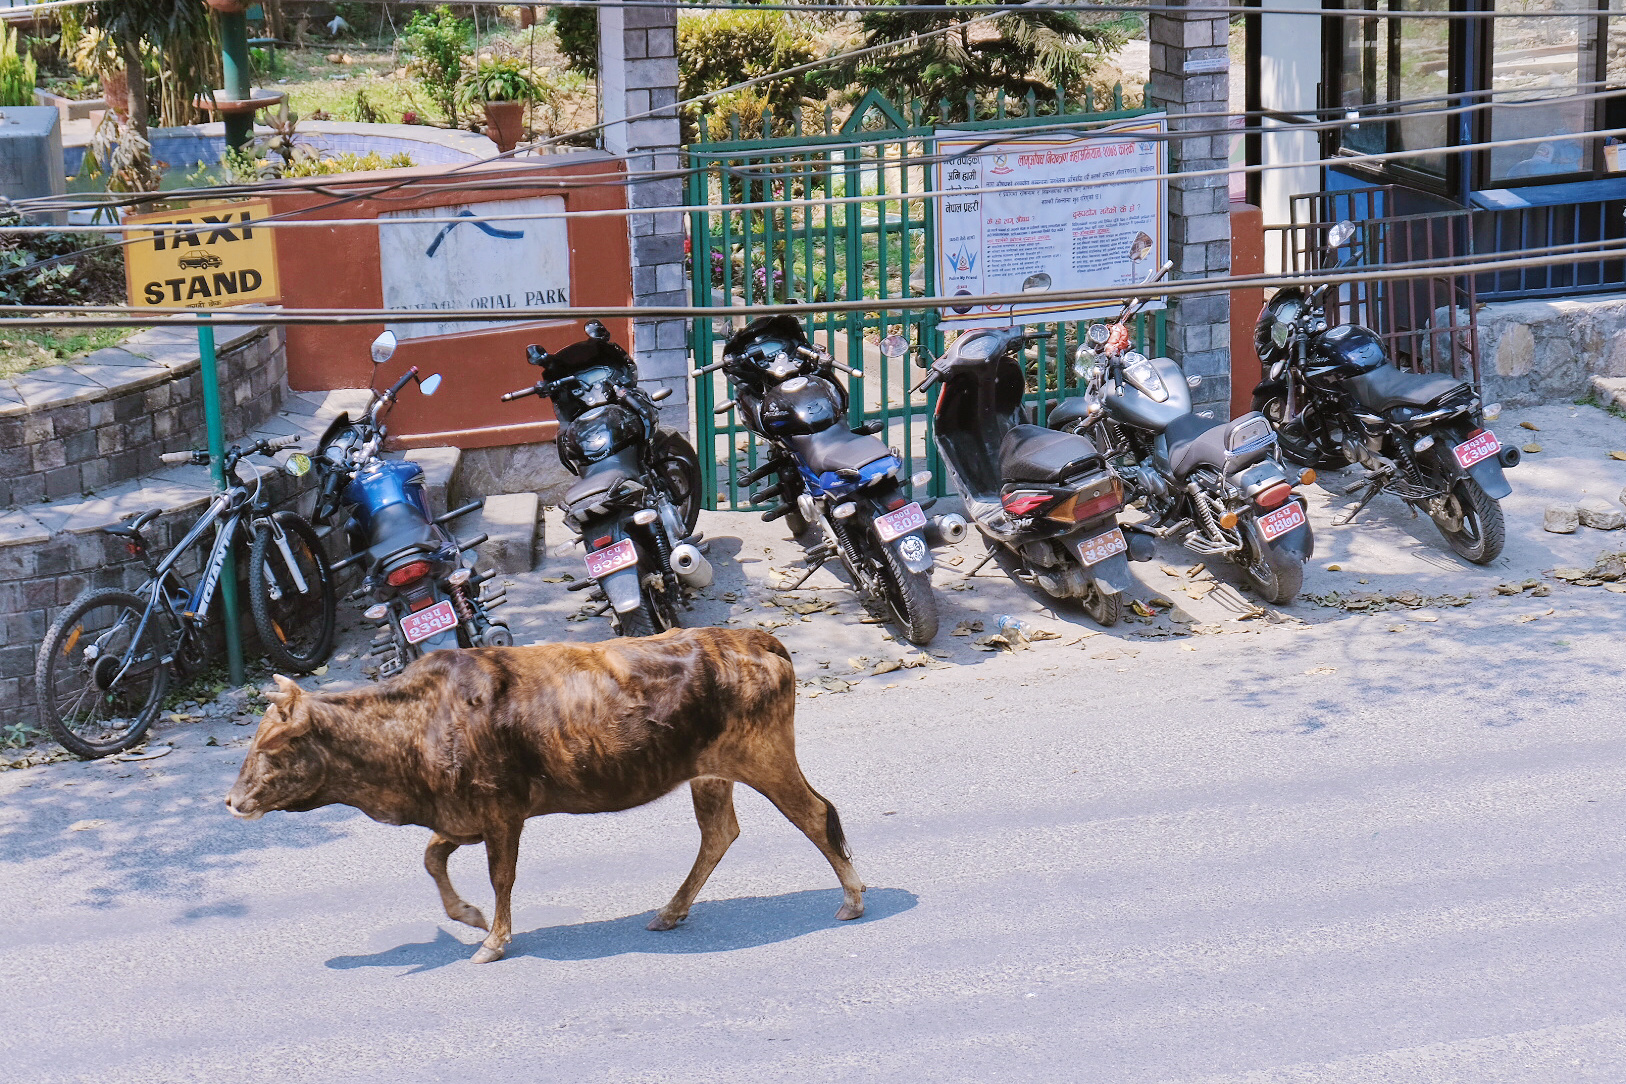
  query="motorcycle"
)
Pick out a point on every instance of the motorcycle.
point(638, 501)
point(1047, 500)
point(1219, 487)
point(425, 594)
point(843, 480)
point(1334, 396)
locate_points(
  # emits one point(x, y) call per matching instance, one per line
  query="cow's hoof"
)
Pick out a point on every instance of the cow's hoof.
point(850, 911)
point(661, 922)
point(470, 915)
point(487, 954)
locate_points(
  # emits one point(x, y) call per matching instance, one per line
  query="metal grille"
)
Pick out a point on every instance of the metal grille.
point(883, 246)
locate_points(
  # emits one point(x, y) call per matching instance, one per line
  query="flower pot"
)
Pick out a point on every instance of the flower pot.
point(228, 7)
point(505, 123)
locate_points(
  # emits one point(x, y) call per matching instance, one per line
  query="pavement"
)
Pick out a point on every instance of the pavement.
point(1226, 843)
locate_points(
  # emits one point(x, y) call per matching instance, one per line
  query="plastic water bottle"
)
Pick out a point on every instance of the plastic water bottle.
point(1012, 628)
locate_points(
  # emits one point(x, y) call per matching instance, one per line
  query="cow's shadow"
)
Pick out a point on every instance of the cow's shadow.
point(713, 926)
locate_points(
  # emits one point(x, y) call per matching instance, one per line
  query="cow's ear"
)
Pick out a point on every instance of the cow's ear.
point(285, 694)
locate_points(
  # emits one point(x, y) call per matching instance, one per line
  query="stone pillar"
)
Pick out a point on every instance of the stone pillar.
point(1191, 74)
point(637, 63)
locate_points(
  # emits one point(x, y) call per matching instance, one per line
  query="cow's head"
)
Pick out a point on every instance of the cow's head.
point(284, 767)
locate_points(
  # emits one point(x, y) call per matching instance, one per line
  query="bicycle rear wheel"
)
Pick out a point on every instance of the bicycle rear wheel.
point(98, 688)
point(295, 627)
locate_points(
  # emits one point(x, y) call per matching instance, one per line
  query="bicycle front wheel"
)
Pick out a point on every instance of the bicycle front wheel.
point(292, 614)
point(99, 688)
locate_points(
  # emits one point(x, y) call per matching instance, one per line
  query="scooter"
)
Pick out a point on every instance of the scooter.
point(425, 593)
point(1219, 487)
point(1048, 500)
point(829, 474)
point(638, 500)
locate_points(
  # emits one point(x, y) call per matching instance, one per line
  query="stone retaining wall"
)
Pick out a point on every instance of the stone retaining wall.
point(1533, 351)
point(106, 418)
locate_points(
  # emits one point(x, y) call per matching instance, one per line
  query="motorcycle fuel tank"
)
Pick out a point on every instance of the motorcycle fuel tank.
point(799, 406)
point(1134, 406)
point(385, 483)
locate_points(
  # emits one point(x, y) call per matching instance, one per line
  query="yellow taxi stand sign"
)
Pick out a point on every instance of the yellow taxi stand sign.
point(206, 257)
point(202, 257)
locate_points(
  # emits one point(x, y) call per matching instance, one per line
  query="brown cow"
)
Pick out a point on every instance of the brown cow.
point(471, 743)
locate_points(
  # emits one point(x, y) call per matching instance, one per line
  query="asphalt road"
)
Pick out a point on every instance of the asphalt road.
point(1378, 847)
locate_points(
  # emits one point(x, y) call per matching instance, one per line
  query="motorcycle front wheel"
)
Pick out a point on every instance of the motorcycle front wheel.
point(679, 468)
point(1474, 528)
point(1296, 444)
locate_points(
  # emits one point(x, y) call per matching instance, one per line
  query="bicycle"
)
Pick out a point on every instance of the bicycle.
point(106, 662)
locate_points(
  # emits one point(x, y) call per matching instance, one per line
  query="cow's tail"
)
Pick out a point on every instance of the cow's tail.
point(832, 825)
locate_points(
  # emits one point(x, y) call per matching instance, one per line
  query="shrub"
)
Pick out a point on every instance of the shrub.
point(577, 29)
point(18, 72)
point(505, 79)
point(93, 275)
point(718, 49)
point(437, 43)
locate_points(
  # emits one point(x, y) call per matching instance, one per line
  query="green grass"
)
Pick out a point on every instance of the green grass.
point(1592, 400)
point(24, 350)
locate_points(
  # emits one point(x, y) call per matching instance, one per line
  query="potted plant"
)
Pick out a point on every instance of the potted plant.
point(503, 86)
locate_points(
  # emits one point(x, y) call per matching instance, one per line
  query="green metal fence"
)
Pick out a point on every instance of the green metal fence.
point(880, 247)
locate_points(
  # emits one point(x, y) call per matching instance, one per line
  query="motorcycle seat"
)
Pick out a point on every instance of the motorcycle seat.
point(836, 449)
point(1032, 453)
point(1194, 442)
point(400, 526)
point(1067, 411)
point(1387, 387)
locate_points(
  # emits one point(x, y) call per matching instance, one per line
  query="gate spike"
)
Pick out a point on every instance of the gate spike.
point(1089, 99)
point(1118, 97)
point(827, 120)
point(970, 106)
point(1033, 101)
point(999, 104)
point(943, 110)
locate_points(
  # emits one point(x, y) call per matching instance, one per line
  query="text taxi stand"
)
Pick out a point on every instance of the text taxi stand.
point(206, 257)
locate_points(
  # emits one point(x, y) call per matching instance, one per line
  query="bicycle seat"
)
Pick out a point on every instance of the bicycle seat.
point(134, 527)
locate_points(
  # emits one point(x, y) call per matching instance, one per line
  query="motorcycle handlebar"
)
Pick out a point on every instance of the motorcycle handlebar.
point(396, 387)
point(712, 368)
point(510, 396)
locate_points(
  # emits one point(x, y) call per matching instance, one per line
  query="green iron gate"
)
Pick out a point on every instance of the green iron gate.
point(880, 247)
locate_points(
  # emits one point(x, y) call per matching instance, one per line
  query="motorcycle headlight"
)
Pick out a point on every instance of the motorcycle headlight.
point(1280, 332)
point(594, 439)
point(1143, 377)
point(978, 349)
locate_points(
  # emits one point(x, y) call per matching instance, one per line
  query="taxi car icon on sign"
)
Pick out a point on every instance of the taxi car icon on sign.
point(201, 260)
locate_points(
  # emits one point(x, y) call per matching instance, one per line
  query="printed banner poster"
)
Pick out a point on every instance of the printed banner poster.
point(1047, 212)
point(513, 264)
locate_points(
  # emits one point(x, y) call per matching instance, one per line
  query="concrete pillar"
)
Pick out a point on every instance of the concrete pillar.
point(637, 63)
point(1191, 74)
point(31, 156)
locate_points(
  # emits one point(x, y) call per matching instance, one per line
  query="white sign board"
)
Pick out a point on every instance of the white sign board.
point(1016, 212)
point(474, 264)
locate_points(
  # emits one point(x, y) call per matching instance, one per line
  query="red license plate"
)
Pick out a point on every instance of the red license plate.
point(1098, 549)
point(1284, 519)
point(899, 523)
point(1482, 445)
point(610, 559)
point(425, 623)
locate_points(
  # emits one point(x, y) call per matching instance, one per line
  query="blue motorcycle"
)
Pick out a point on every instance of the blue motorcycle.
point(425, 594)
point(841, 479)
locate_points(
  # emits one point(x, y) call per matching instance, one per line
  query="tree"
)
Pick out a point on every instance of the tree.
point(164, 24)
point(1044, 52)
point(719, 49)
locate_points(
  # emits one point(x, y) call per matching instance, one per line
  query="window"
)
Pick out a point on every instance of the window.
point(1389, 68)
point(1549, 60)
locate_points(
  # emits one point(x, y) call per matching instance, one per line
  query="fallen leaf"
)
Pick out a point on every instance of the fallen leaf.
point(212, 741)
point(1617, 455)
point(1532, 448)
point(940, 655)
point(1141, 609)
point(1323, 670)
point(320, 670)
point(1397, 628)
point(1034, 635)
point(1532, 426)
point(1617, 588)
point(1335, 568)
point(557, 579)
point(84, 826)
point(967, 628)
point(1170, 570)
point(146, 754)
point(1431, 618)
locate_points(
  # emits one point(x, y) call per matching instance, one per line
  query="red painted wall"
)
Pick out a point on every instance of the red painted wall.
point(1247, 258)
point(338, 267)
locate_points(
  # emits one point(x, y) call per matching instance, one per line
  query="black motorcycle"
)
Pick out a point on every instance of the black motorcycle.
point(425, 593)
point(1335, 398)
point(638, 500)
point(1046, 499)
point(828, 474)
point(1218, 487)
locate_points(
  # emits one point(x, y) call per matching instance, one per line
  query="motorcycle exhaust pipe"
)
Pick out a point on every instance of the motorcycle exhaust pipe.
point(691, 566)
point(946, 530)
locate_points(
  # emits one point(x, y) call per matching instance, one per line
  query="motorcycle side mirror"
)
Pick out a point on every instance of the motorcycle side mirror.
point(1036, 283)
point(894, 346)
point(429, 384)
point(1340, 235)
point(536, 355)
point(1139, 247)
point(383, 348)
point(598, 331)
point(1082, 356)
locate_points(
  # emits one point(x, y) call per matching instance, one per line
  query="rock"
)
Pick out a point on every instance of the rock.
point(1561, 519)
point(1600, 514)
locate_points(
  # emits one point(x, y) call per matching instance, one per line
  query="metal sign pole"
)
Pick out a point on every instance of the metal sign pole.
point(208, 368)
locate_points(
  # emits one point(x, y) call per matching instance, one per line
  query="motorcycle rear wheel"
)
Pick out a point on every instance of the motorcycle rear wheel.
point(1104, 609)
point(1482, 531)
point(909, 594)
point(1278, 579)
